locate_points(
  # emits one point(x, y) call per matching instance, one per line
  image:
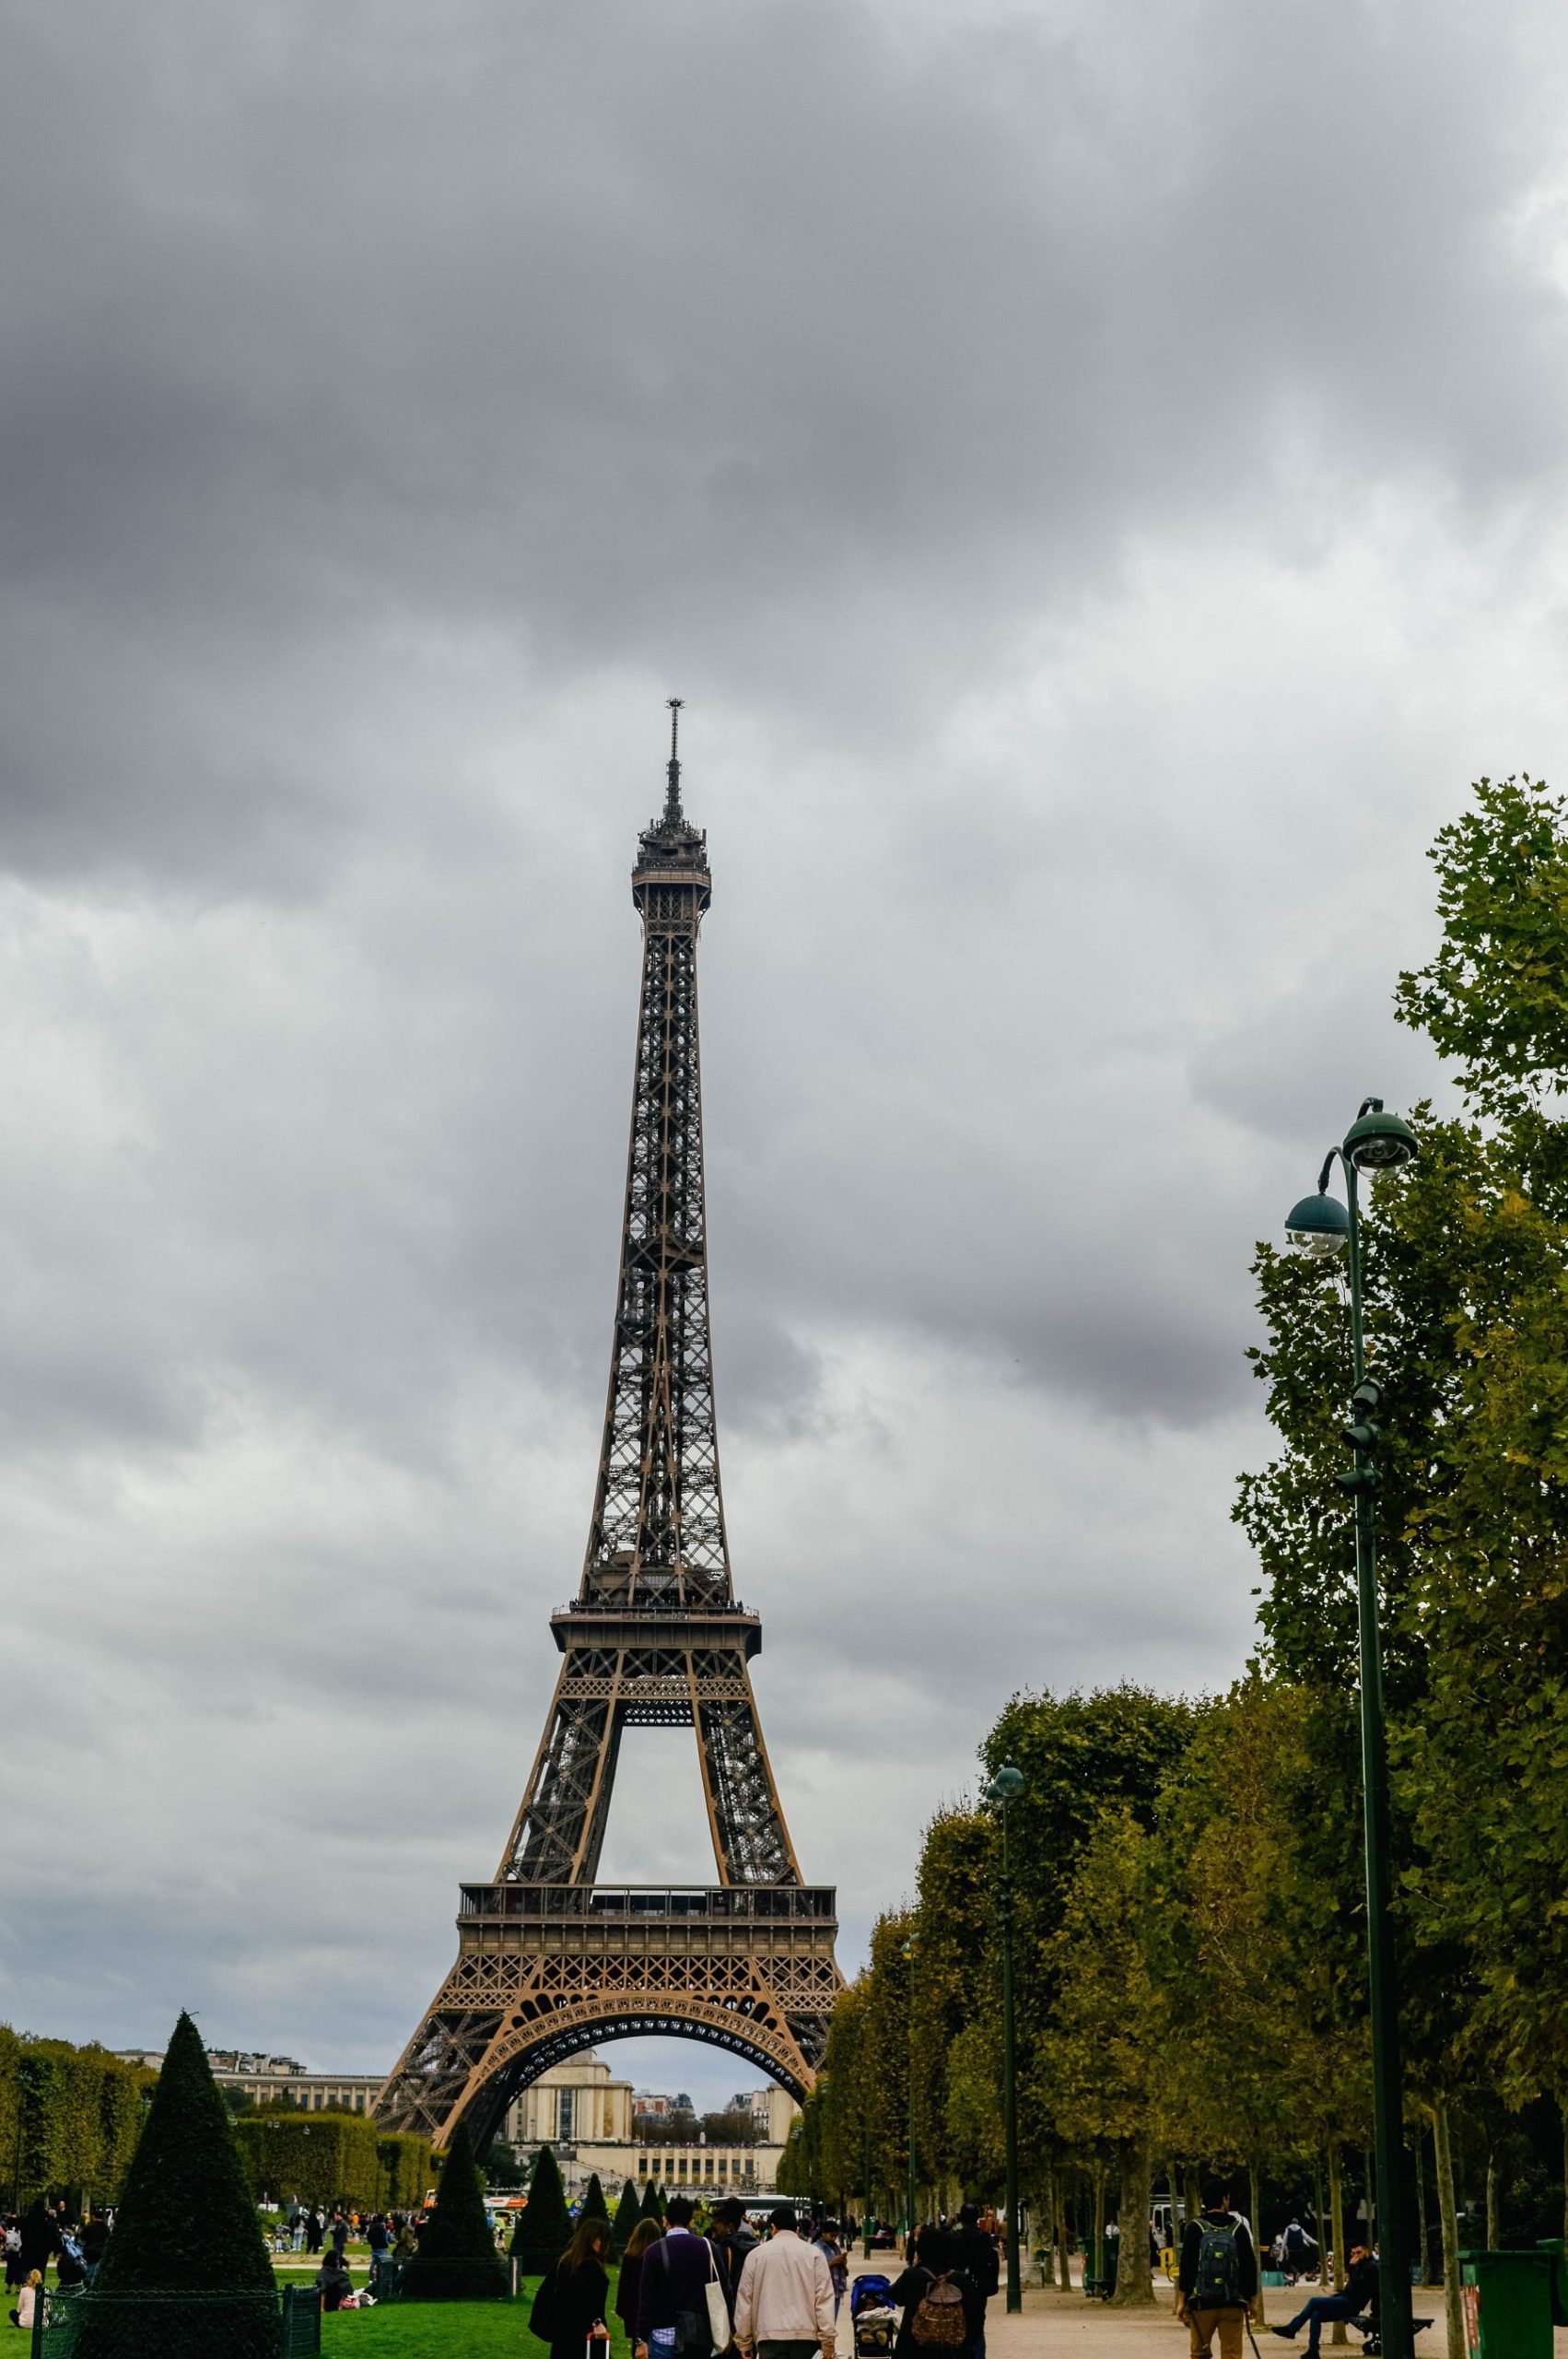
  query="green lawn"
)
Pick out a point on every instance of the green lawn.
point(441, 2329)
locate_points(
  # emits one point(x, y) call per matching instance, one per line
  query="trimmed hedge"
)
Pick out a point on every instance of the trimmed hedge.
point(545, 2230)
point(185, 2225)
point(457, 2260)
point(628, 2212)
point(69, 2116)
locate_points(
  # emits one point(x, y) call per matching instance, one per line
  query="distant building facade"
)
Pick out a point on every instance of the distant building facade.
point(594, 2122)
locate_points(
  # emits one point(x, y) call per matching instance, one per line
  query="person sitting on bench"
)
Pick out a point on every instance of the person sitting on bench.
point(1361, 2288)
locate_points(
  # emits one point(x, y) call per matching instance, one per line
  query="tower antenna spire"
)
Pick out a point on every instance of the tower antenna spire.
point(673, 770)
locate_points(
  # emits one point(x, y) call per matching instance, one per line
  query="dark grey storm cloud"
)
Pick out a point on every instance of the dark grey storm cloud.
point(1096, 474)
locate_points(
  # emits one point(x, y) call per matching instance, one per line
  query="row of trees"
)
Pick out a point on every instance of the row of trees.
point(69, 2117)
point(333, 2158)
point(1191, 1928)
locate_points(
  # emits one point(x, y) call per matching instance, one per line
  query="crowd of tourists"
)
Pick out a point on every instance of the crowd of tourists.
point(680, 2294)
point(44, 2234)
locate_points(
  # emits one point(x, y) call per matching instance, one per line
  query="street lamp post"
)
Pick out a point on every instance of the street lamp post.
point(1320, 1225)
point(1008, 1783)
point(907, 1951)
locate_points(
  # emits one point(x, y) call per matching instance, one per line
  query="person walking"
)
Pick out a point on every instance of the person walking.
point(977, 2256)
point(671, 2292)
point(14, 2272)
point(40, 2239)
point(1359, 2294)
point(94, 2239)
point(784, 2308)
point(646, 2233)
point(944, 2310)
point(730, 2244)
point(340, 2234)
point(1217, 2279)
point(830, 2242)
point(314, 2229)
point(568, 2310)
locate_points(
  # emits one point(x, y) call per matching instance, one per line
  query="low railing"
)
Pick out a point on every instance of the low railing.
point(641, 1903)
point(81, 2323)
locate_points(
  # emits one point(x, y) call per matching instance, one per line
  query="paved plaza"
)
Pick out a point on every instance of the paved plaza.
point(1054, 2324)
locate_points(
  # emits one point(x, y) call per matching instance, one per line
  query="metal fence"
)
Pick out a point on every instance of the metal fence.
point(78, 2323)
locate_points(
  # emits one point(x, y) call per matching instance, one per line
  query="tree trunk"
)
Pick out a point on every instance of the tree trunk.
point(1319, 2226)
point(1258, 2244)
point(1423, 2241)
point(1133, 2289)
point(1064, 2242)
point(1493, 2203)
point(1336, 2229)
point(1095, 2265)
point(1448, 2213)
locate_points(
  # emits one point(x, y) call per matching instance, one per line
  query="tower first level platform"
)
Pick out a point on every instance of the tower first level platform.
point(546, 1970)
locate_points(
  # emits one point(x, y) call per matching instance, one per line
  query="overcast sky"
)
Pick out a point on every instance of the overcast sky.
point(1097, 473)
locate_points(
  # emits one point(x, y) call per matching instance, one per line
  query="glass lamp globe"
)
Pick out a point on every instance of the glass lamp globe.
point(1318, 1226)
point(1378, 1141)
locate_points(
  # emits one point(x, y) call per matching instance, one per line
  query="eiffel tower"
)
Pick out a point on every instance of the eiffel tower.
point(550, 1960)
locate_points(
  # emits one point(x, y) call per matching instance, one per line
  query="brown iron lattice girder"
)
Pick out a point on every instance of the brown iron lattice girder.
point(543, 1971)
point(622, 1669)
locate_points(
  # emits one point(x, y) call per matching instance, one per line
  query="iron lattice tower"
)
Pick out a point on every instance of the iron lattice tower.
point(548, 1959)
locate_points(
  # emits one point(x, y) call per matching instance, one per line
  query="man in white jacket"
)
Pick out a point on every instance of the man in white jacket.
point(784, 2306)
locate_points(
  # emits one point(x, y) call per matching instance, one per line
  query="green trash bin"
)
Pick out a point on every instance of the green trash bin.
point(1507, 2299)
point(1553, 2245)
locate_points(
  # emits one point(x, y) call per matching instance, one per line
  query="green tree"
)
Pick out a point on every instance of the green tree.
point(1466, 1266)
point(628, 2212)
point(185, 2224)
point(545, 2230)
point(1099, 2070)
point(652, 2207)
point(457, 2260)
point(593, 2204)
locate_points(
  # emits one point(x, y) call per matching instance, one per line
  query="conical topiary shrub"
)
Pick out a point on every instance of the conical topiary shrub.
point(652, 2206)
point(593, 2204)
point(628, 2212)
point(545, 2230)
point(185, 2228)
point(457, 2260)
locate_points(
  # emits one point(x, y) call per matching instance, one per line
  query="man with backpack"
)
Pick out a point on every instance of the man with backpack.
point(944, 2311)
point(1217, 2281)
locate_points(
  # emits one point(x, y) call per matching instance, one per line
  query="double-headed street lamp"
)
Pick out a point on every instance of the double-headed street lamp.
point(1004, 1788)
point(1321, 1226)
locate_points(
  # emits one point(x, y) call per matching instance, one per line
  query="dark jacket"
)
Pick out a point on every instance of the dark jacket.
point(332, 2281)
point(905, 2295)
point(577, 2299)
point(40, 2238)
point(1361, 2285)
point(1191, 2244)
point(977, 2253)
point(625, 2293)
point(674, 2278)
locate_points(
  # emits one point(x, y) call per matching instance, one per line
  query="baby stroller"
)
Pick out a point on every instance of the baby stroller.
point(873, 2316)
